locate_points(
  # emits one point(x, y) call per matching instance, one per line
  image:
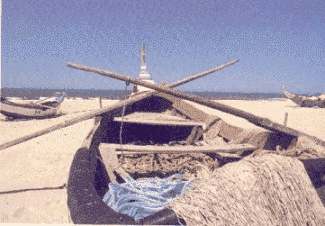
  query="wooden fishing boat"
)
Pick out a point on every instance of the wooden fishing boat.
point(159, 134)
point(162, 127)
point(41, 109)
point(306, 101)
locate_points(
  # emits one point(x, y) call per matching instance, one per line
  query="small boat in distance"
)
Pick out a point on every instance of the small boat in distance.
point(306, 101)
point(44, 108)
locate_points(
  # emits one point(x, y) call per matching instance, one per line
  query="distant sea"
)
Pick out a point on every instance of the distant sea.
point(31, 93)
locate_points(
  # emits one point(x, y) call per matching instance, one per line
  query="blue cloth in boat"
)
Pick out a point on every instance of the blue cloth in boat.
point(144, 197)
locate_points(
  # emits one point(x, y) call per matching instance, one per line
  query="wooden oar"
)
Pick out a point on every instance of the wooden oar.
point(120, 104)
point(257, 120)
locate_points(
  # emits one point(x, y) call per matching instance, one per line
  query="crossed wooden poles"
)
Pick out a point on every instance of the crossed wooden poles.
point(259, 121)
point(113, 107)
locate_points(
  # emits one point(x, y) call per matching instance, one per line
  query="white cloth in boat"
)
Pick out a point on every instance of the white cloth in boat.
point(144, 197)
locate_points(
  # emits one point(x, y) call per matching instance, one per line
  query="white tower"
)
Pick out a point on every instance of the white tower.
point(144, 75)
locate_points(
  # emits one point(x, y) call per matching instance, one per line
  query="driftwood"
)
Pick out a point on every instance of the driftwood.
point(180, 149)
point(133, 99)
point(261, 190)
point(259, 121)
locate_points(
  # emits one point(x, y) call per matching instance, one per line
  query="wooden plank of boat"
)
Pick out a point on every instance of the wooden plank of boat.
point(185, 108)
point(111, 164)
point(156, 119)
point(195, 135)
point(180, 149)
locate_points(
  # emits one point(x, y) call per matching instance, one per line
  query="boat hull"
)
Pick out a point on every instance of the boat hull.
point(15, 110)
point(88, 178)
point(304, 101)
point(85, 189)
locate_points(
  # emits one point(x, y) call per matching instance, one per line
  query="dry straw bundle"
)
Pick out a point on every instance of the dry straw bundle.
point(263, 190)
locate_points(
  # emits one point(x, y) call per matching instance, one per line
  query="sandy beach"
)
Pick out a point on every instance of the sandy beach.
point(45, 161)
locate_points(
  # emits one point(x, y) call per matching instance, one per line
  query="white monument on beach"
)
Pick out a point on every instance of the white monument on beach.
point(144, 75)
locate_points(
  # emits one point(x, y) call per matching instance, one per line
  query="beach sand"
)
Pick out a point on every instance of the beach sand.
point(45, 161)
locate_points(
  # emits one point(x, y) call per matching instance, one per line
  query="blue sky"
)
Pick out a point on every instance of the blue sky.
point(279, 43)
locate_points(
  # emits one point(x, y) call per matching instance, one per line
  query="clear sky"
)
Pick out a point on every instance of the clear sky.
point(279, 43)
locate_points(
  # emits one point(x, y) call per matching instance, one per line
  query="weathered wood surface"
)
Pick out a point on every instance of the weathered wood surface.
point(187, 109)
point(111, 163)
point(195, 135)
point(180, 149)
point(190, 78)
point(156, 119)
point(257, 120)
point(88, 140)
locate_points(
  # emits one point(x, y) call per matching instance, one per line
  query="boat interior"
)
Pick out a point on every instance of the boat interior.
point(160, 134)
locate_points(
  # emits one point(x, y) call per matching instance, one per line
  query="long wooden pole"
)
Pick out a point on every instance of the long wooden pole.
point(75, 120)
point(120, 104)
point(203, 73)
point(259, 121)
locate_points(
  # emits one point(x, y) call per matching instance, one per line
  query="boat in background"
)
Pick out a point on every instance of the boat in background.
point(306, 101)
point(44, 108)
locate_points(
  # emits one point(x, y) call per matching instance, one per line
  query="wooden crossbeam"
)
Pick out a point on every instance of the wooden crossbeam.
point(156, 119)
point(179, 149)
